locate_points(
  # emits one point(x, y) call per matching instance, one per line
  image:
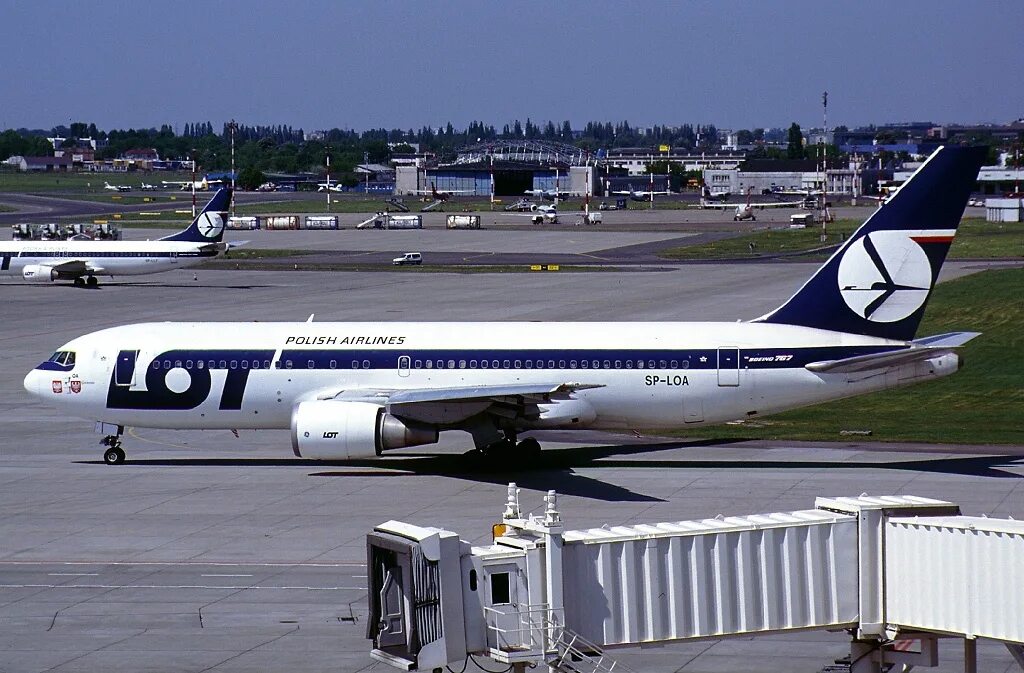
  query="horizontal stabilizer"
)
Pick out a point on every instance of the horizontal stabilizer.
point(919, 350)
point(948, 340)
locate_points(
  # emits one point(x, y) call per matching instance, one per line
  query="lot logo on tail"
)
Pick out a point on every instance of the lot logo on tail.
point(210, 224)
point(885, 276)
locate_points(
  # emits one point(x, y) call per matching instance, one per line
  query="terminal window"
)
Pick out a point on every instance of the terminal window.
point(500, 591)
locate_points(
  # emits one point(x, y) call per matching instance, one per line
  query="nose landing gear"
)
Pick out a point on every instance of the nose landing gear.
point(113, 454)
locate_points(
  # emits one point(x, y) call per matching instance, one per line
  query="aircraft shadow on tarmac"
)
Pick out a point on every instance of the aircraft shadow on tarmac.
point(554, 468)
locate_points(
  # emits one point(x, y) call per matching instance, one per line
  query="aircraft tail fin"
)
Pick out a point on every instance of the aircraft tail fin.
point(208, 227)
point(879, 281)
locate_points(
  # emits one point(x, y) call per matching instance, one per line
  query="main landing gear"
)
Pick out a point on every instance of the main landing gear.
point(508, 447)
point(91, 281)
point(113, 454)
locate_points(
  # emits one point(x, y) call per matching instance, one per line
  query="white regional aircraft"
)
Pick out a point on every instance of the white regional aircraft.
point(83, 261)
point(353, 390)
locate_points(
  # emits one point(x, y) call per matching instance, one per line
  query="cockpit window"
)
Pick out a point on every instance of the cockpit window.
point(66, 358)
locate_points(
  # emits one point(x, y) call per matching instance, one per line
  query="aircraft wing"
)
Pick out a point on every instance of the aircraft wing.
point(73, 268)
point(777, 204)
point(919, 350)
point(452, 405)
point(717, 206)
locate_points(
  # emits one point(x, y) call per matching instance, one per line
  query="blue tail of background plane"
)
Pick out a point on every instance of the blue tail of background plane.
point(879, 281)
point(208, 227)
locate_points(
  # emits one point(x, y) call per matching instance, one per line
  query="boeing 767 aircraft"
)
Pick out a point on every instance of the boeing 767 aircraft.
point(353, 390)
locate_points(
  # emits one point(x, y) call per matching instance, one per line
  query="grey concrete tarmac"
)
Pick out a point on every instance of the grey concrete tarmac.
point(207, 552)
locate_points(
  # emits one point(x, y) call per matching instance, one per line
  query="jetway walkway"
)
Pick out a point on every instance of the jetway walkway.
point(888, 570)
point(432, 205)
point(398, 204)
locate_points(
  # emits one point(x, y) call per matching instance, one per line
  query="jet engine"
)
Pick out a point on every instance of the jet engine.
point(40, 273)
point(330, 430)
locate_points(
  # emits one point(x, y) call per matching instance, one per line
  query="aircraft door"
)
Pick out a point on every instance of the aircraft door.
point(404, 365)
point(503, 606)
point(391, 602)
point(728, 366)
point(124, 369)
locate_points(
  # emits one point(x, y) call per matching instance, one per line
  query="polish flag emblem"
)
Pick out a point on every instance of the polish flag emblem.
point(58, 387)
point(76, 386)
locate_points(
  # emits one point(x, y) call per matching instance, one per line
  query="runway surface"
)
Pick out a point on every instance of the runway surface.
point(207, 552)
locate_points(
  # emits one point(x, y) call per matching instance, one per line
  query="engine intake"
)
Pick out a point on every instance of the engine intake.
point(329, 430)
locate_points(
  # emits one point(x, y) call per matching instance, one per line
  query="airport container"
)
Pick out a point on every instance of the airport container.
point(281, 222)
point(321, 222)
point(956, 574)
point(22, 232)
point(695, 579)
point(404, 222)
point(463, 222)
point(244, 222)
point(1003, 210)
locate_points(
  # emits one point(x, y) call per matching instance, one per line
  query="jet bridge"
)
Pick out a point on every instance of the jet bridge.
point(885, 569)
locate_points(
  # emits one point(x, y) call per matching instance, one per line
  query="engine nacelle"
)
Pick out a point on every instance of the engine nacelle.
point(329, 430)
point(39, 273)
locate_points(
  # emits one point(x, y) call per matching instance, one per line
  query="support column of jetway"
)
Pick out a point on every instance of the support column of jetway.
point(888, 570)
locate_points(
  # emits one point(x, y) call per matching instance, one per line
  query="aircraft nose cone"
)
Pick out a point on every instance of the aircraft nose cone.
point(32, 383)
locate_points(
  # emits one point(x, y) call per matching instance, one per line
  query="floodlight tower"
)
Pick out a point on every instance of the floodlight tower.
point(232, 127)
point(824, 169)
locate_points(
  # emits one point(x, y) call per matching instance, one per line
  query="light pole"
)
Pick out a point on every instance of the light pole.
point(232, 126)
point(193, 183)
point(328, 182)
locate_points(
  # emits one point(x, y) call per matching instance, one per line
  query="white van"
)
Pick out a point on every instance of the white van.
point(408, 258)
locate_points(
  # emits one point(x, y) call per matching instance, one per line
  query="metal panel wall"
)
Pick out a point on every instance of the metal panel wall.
point(712, 577)
point(956, 574)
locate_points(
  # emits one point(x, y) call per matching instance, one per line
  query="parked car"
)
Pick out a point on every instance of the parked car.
point(408, 258)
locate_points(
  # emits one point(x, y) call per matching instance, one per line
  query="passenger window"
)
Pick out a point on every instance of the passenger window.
point(287, 364)
point(177, 363)
point(583, 364)
point(430, 364)
point(618, 364)
point(451, 364)
point(685, 364)
point(245, 364)
point(156, 364)
point(234, 364)
point(366, 364)
point(494, 364)
point(629, 364)
point(501, 593)
point(519, 364)
point(200, 364)
point(472, 364)
point(483, 364)
point(417, 364)
point(505, 364)
point(551, 364)
point(188, 364)
point(255, 364)
point(662, 364)
point(462, 364)
point(167, 364)
point(607, 364)
point(673, 364)
point(355, 364)
point(224, 364)
point(310, 364)
point(572, 364)
point(529, 364)
point(266, 364)
point(334, 364)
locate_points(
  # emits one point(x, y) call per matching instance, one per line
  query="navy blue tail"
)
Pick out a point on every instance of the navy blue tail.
point(879, 281)
point(208, 227)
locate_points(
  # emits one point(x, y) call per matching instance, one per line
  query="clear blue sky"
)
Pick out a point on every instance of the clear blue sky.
point(403, 64)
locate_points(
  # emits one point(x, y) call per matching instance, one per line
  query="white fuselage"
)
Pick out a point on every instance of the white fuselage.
point(632, 375)
point(105, 258)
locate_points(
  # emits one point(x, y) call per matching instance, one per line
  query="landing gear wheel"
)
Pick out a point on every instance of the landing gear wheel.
point(113, 456)
point(79, 282)
point(92, 281)
point(529, 447)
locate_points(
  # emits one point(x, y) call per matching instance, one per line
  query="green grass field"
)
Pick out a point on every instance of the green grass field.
point(975, 239)
point(15, 181)
point(981, 404)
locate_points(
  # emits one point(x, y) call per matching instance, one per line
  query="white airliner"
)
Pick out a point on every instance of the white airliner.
point(549, 194)
point(743, 211)
point(82, 261)
point(640, 195)
point(188, 185)
point(353, 390)
point(146, 187)
point(117, 188)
